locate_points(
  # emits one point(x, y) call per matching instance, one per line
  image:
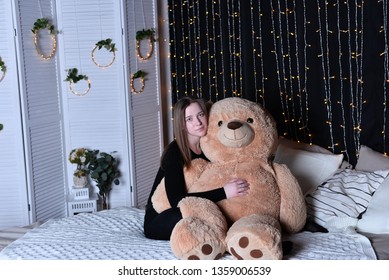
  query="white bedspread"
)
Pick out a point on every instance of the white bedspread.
point(117, 234)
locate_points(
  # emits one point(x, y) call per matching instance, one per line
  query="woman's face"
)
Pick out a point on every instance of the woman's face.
point(196, 120)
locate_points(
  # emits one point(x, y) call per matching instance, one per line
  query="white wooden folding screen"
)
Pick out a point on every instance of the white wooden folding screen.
point(110, 117)
point(145, 108)
point(42, 114)
point(13, 191)
point(48, 120)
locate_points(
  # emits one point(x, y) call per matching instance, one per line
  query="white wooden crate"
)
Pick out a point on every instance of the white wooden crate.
point(80, 193)
point(82, 206)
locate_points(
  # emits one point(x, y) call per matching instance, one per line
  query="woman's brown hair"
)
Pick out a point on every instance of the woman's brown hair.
point(179, 125)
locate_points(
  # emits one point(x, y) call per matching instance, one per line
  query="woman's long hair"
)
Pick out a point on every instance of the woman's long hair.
point(179, 125)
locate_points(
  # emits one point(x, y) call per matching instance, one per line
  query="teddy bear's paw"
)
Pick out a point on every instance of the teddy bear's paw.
point(251, 247)
point(212, 250)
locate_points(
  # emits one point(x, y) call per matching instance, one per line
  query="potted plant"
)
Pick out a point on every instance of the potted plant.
point(103, 169)
point(81, 157)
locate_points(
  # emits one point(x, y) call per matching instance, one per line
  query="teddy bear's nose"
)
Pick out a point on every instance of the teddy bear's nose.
point(234, 125)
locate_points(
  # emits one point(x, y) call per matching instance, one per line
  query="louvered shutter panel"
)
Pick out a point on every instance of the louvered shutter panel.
point(41, 114)
point(97, 120)
point(145, 108)
point(13, 195)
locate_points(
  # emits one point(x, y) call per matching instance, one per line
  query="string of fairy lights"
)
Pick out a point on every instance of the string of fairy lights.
point(209, 60)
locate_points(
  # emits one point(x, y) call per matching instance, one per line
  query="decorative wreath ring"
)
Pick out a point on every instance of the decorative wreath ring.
point(140, 74)
point(73, 77)
point(3, 69)
point(145, 34)
point(107, 43)
point(43, 23)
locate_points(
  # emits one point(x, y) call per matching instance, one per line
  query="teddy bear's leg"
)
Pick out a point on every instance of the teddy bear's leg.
point(255, 237)
point(201, 233)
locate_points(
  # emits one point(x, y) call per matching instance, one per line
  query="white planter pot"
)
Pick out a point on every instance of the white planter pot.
point(80, 182)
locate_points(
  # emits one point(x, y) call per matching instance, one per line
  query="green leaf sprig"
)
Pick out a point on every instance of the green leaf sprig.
point(107, 43)
point(145, 33)
point(42, 23)
point(74, 77)
point(139, 74)
point(2, 65)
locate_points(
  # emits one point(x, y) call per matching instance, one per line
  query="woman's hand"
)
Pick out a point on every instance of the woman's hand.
point(236, 187)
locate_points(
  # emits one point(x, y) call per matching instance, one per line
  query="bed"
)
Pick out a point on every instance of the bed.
point(117, 234)
point(354, 226)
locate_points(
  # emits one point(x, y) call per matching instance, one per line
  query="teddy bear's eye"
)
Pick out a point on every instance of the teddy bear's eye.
point(220, 123)
point(250, 120)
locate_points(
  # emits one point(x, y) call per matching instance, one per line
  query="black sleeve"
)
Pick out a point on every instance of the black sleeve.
point(173, 166)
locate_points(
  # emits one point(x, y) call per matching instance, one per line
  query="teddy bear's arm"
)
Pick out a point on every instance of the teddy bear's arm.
point(192, 174)
point(160, 200)
point(293, 210)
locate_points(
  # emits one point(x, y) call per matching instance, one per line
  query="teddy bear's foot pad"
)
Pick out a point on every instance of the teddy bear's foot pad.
point(250, 248)
point(204, 252)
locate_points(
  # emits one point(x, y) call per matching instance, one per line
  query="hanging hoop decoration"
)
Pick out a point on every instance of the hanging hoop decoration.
point(3, 69)
point(107, 43)
point(141, 35)
point(43, 23)
point(140, 74)
point(73, 77)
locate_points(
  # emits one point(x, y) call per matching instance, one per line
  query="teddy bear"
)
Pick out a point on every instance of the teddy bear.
point(240, 142)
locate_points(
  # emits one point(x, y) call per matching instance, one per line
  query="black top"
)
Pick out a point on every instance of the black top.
point(172, 169)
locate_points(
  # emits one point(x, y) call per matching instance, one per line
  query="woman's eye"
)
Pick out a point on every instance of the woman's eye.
point(220, 123)
point(250, 120)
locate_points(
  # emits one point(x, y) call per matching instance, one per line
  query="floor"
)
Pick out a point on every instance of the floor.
point(11, 234)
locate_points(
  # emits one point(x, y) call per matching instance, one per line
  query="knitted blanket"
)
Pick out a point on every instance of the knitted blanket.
point(117, 234)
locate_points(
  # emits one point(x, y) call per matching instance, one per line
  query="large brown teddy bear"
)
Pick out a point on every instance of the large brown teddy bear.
point(240, 143)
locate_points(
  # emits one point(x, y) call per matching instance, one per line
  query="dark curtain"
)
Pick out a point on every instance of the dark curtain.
point(319, 67)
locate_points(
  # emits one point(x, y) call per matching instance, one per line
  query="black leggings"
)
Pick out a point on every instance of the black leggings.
point(160, 226)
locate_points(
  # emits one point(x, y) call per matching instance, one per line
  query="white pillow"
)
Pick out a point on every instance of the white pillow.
point(343, 197)
point(370, 160)
point(376, 218)
point(303, 146)
point(310, 168)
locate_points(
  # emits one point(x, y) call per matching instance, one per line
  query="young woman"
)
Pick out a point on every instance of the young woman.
point(190, 123)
